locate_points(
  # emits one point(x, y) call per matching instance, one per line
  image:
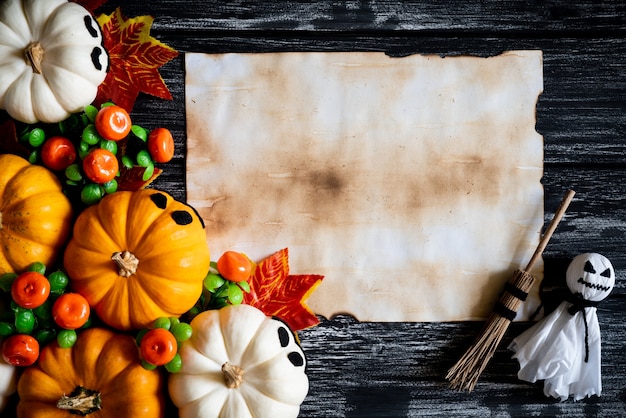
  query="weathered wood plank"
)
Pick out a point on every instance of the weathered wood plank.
point(596, 218)
point(452, 17)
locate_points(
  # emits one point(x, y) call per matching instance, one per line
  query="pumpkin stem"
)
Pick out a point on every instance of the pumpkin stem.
point(34, 56)
point(81, 401)
point(126, 262)
point(233, 375)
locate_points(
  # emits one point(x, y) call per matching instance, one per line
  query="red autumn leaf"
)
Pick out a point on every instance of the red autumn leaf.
point(90, 5)
point(277, 293)
point(134, 60)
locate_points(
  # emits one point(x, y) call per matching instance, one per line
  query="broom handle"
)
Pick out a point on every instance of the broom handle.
point(569, 195)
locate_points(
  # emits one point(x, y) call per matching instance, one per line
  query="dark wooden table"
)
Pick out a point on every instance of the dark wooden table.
point(397, 369)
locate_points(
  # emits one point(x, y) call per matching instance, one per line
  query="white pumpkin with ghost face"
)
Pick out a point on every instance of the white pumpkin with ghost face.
point(591, 275)
point(51, 59)
point(239, 363)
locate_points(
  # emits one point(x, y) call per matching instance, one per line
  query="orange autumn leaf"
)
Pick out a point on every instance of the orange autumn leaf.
point(134, 60)
point(282, 295)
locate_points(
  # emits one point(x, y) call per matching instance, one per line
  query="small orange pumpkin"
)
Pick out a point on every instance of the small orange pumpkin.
point(35, 215)
point(136, 256)
point(101, 375)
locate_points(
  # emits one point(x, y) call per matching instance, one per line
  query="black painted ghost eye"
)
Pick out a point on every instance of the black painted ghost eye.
point(182, 217)
point(91, 27)
point(159, 199)
point(589, 267)
point(283, 337)
point(95, 57)
point(606, 273)
point(296, 358)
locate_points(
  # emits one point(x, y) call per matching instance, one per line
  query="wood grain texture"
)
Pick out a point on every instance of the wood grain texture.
point(397, 369)
point(384, 15)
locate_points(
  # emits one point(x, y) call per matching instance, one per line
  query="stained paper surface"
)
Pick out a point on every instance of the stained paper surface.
point(412, 184)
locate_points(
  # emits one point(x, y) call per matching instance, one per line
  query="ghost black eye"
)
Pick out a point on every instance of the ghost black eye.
point(606, 273)
point(589, 267)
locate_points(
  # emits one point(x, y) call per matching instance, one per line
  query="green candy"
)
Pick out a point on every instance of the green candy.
point(108, 145)
point(213, 281)
point(45, 336)
point(127, 162)
point(6, 329)
point(181, 331)
point(38, 267)
point(83, 149)
point(139, 132)
point(36, 137)
point(162, 322)
point(147, 366)
point(90, 135)
point(91, 111)
point(110, 186)
point(67, 338)
point(175, 364)
point(140, 335)
point(24, 321)
point(245, 286)
point(73, 172)
point(6, 281)
point(91, 194)
point(58, 281)
point(235, 294)
point(33, 158)
point(148, 172)
point(143, 158)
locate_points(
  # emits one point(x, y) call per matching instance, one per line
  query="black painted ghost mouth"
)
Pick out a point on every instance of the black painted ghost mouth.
point(595, 286)
point(590, 269)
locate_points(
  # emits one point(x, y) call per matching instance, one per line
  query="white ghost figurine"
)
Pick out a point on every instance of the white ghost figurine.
point(563, 348)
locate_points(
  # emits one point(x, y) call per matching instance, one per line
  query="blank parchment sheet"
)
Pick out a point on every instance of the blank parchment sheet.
point(412, 184)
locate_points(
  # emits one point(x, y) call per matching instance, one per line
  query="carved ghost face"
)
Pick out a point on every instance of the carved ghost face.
point(591, 275)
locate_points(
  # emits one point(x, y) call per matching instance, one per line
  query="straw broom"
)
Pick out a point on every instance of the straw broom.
point(465, 373)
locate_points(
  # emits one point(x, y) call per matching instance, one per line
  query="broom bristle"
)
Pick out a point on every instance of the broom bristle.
point(465, 373)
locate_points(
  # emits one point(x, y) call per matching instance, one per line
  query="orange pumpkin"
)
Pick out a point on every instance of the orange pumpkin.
point(101, 374)
point(35, 215)
point(137, 256)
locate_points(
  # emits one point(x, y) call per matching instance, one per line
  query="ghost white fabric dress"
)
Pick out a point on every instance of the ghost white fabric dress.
point(563, 348)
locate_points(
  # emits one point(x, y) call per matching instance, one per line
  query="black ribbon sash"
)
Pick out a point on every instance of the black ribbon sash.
point(579, 304)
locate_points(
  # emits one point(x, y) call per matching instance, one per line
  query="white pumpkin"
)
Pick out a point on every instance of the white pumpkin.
point(239, 363)
point(8, 382)
point(51, 59)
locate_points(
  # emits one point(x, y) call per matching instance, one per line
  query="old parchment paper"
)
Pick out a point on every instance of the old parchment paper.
point(412, 184)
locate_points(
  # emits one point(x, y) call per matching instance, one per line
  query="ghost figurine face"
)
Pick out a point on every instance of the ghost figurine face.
point(591, 275)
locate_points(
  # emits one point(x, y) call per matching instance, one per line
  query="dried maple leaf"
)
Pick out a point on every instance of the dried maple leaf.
point(90, 5)
point(134, 60)
point(277, 293)
point(131, 179)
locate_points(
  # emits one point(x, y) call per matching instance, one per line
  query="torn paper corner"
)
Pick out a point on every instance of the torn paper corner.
point(412, 184)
